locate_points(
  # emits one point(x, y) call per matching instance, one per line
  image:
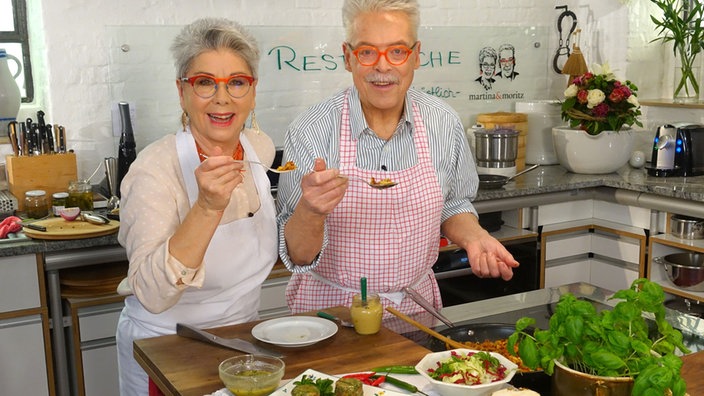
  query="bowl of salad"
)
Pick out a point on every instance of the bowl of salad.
point(466, 372)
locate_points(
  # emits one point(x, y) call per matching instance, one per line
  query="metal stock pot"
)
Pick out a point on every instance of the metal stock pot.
point(686, 227)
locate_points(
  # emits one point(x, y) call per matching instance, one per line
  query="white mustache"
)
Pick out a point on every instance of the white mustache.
point(381, 78)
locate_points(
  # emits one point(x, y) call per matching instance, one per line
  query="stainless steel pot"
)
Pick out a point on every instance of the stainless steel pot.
point(685, 270)
point(496, 147)
point(686, 227)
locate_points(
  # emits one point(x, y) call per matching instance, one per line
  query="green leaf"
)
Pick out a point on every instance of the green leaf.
point(529, 353)
point(607, 360)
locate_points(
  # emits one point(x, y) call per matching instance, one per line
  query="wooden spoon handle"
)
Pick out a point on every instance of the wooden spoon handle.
point(425, 329)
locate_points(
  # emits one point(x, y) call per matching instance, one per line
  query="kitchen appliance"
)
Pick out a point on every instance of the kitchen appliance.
point(506, 120)
point(543, 115)
point(496, 151)
point(677, 150)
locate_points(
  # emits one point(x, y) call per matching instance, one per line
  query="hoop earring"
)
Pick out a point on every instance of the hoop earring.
point(185, 120)
point(254, 125)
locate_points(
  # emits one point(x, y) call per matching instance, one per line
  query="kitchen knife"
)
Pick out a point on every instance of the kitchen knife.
point(23, 139)
point(12, 135)
point(62, 139)
point(36, 140)
point(48, 131)
point(43, 145)
point(34, 227)
point(237, 344)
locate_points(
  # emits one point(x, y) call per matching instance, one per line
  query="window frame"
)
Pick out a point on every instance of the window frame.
point(21, 35)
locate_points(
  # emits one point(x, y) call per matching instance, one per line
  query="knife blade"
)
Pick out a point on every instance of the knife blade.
point(23, 139)
point(237, 344)
point(62, 139)
point(36, 227)
point(50, 138)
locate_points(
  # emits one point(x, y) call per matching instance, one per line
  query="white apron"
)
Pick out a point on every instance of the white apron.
point(389, 236)
point(233, 277)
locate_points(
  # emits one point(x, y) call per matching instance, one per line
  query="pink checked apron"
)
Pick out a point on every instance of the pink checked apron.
point(389, 236)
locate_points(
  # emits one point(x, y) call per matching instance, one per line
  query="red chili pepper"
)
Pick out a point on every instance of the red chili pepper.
point(364, 377)
point(379, 380)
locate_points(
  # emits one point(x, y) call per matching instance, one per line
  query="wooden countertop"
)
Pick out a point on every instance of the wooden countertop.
point(182, 366)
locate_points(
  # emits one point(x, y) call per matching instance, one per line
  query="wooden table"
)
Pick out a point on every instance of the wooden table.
point(182, 366)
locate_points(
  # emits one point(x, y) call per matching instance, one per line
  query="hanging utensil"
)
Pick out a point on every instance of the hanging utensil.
point(575, 65)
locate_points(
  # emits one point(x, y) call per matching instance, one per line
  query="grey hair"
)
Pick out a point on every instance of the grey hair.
point(507, 47)
point(487, 51)
point(351, 9)
point(213, 34)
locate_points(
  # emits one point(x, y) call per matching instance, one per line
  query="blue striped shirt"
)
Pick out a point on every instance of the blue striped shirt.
point(316, 134)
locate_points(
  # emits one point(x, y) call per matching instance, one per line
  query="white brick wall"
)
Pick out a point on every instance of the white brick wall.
point(71, 57)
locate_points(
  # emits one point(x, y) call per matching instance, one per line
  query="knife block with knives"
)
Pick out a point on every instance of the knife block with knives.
point(50, 172)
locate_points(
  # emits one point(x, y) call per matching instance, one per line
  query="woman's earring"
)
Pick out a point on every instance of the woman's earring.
point(254, 125)
point(185, 120)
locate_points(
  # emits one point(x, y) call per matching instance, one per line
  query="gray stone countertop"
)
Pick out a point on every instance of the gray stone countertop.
point(544, 179)
point(554, 178)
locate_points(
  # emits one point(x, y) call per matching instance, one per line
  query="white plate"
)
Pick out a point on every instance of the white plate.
point(294, 331)
point(368, 389)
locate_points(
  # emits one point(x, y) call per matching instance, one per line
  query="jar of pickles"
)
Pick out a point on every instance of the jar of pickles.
point(58, 202)
point(80, 195)
point(35, 204)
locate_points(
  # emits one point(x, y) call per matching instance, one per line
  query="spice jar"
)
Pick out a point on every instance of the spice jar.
point(35, 204)
point(58, 202)
point(366, 315)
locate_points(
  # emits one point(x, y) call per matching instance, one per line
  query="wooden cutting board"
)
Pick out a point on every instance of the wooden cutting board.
point(59, 229)
point(185, 367)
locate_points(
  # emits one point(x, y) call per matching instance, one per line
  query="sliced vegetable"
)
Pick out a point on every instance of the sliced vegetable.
point(396, 369)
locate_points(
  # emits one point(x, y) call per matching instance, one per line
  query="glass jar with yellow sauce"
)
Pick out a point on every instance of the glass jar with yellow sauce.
point(366, 316)
point(80, 194)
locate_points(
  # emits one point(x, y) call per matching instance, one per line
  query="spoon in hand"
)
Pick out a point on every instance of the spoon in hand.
point(275, 170)
point(373, 183)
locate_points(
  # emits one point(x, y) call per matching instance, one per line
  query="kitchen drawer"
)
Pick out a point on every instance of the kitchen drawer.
point(273, 294)
point(23, 365)
point(99, 322)
point(100, 375)
point(19, 283)
point(567, 245)
point(625, 249)
point(565, 272)
point(612, 275)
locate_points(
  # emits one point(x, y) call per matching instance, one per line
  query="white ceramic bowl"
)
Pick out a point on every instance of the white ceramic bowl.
point(430, 361)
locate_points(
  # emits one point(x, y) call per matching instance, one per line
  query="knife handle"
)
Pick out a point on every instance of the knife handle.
point(12, 135)
point(326, 316)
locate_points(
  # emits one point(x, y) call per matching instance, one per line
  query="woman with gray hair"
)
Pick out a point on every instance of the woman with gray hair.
point(197, 223)
point(487, 67)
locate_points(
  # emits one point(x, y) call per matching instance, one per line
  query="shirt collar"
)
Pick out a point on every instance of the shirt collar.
point(359, 124)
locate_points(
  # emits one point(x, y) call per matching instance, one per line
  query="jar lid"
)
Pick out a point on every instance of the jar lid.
point(35, 193)
point(60, 195)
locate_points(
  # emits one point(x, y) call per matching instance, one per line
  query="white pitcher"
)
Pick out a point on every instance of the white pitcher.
point(10, 97)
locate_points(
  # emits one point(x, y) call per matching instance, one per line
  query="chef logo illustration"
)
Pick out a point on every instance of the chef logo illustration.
point(495, 65)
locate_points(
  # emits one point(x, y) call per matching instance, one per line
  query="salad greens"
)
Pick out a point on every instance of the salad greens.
point(613, 343)
point(469, 369)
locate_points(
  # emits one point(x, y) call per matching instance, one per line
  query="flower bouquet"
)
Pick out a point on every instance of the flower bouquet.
point(597, 101)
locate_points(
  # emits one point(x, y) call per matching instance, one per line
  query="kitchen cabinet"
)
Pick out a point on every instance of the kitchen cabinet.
point(92, 347)
point(664, 244)
point(592, 241)
point(25, 352)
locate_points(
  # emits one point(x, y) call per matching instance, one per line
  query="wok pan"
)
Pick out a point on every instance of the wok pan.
point(492, 182)
point(535, 380)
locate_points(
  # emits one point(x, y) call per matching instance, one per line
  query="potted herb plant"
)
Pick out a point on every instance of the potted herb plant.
point(681, 24)
point(610, 343)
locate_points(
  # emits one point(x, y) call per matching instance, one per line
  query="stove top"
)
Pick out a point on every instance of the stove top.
point(539, 304)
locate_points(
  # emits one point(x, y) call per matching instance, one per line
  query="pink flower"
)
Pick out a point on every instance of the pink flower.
point(600, 110)
point(582, 96)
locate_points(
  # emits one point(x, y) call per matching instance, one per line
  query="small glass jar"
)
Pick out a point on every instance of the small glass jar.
point(366, 316)
point(35, 204)
point(58, 202)
point(80, 194)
